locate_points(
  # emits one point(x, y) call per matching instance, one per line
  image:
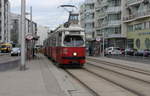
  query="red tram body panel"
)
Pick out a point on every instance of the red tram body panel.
point(70, 55)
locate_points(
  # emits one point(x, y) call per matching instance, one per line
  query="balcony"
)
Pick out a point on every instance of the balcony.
point(136, 16)
point(114, 9)
point(89, 2)
point(100, 15)
point(89, 30)
point(104, 3)
point(112, 23)
point(90, 11)
point(134, 2)
point(89, 20)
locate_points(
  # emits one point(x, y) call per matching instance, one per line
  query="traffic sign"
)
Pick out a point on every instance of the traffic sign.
point(29, 37)
point(98, 39)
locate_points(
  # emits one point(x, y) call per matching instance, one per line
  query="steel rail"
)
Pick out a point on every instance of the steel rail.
point(120, 85)
point(93, 92)
point(138, 70)
point(135, 78)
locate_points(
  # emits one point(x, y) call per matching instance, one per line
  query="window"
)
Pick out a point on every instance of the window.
point(149, 24)
point(73, 41)
point(147, 43)
point(115, 2)
point(116, 30)
point(89, 16)
point(89, 25)
point(114, 17)
point(130, 28)
point(138, 26)
point(138, 43)
point(130, 43)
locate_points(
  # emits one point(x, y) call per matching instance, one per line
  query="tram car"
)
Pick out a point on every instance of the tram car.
point(66, 44)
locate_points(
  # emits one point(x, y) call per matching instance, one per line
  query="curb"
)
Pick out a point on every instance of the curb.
point(4, 66)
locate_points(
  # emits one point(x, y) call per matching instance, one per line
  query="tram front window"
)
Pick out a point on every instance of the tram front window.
point(73, 41)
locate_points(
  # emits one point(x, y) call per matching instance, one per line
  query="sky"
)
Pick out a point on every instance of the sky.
point(45, 12)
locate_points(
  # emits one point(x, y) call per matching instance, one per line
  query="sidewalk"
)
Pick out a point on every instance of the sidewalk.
point(35, 81)
point(124, 62)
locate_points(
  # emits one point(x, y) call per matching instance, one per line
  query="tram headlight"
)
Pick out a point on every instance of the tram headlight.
point(75, 54)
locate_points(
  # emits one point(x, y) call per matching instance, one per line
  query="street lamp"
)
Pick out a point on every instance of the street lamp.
point(23, 7)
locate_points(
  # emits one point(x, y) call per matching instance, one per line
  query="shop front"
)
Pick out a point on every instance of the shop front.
point(139, 39)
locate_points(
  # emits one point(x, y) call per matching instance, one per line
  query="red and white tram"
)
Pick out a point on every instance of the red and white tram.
point(66, 45)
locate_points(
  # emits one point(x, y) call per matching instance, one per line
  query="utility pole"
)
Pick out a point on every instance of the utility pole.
point(31, 30)
point(9, 22)
point(103, 44)
point(2, 21)
point(31, 27)
point(23, 7)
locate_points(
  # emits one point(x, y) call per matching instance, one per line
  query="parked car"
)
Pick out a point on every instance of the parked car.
point(147, 51)
point(122, 51)
point(144, 53)
point(15, 52)
point(130, 51)
point(113, 51)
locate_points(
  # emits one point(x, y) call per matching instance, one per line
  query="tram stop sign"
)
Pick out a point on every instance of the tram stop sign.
point(29, 37)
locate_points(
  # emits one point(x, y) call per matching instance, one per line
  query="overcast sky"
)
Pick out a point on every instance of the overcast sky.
point(46, 12)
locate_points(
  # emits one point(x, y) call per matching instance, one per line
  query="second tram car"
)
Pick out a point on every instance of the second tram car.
point(66, 45)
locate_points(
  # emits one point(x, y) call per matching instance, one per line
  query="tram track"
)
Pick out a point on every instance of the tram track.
point(94, 93)
point(133, 80)
point(128, 73)
point(139, 87)
point(96, 90)
point(126, 67)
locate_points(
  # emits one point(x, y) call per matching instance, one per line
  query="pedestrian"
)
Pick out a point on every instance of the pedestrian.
point(90, 51)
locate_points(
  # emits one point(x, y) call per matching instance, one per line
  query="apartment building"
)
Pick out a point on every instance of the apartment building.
point(137, 21)
point(4, 21)
point(87, 18)
point(42, 32)
point(15, 28)
point(108, 21)
point(15, 31)
point(124, 23)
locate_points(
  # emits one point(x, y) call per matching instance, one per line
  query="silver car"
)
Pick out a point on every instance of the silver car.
point(15, 52)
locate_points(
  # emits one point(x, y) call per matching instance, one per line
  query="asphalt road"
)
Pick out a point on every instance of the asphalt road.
point(145, 60)
point(6, 57)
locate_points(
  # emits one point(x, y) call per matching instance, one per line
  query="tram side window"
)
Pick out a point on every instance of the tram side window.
point(73, 41)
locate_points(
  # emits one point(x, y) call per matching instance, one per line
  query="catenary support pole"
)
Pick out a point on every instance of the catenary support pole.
point(103, 44)
point(2, 21)
point(23, 7)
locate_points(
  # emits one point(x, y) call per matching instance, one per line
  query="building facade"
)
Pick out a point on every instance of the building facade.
point(87, 18)
point(4, 21)
point(137, 21)
point(15, 28)
point(42, 32)
point(106, 19)
point(15, 31)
